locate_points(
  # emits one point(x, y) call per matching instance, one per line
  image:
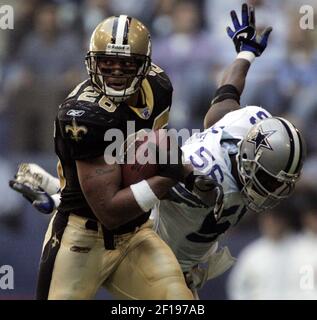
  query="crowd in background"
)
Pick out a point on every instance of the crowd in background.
point(42, 59)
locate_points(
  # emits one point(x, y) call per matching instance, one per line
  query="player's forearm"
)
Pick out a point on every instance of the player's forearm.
point(126, 205)
point(227, 96)
point(129, 203)
point(113, 205)
point(236, 74)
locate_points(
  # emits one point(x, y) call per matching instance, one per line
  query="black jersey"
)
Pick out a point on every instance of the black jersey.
point(83, 119)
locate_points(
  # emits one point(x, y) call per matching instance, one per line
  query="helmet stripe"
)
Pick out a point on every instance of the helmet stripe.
point(114, 30)
point(295, 145)
point(302, 152)
point(297, 149)
point(126, 30)
point(121, 29)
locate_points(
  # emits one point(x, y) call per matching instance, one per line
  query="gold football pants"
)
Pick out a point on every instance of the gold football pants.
point(75, 264)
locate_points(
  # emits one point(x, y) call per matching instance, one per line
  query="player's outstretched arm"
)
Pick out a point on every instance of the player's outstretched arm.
point(248, 46)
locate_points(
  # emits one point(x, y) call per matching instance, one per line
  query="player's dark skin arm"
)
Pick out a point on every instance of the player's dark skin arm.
point(101, 183)
point(235, 75)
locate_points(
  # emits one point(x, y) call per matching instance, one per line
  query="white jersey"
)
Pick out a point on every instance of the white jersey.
point(183, 222)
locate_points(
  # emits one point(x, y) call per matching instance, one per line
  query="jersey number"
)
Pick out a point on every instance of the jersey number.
point(205, 157)
point(90, 95)
point(260, 115)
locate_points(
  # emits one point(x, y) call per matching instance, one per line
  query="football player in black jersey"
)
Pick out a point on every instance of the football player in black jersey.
point(101, 234)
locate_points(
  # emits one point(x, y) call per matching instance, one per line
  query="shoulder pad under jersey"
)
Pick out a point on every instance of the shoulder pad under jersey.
point(83, 126)
point(162, 78)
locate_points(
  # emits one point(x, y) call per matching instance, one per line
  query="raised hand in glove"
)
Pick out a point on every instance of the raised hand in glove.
point(244, 35)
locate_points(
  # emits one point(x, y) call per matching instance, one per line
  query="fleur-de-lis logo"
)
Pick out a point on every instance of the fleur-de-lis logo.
point(76, 131)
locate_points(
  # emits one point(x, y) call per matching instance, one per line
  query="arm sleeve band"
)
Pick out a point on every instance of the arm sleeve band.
point(225, 92)
point(246, 55)
point(144, 195)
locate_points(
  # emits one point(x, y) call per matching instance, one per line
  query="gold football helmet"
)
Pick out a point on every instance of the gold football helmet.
point(119, 57)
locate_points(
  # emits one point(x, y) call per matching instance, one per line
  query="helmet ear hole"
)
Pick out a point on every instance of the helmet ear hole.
point(244, 156)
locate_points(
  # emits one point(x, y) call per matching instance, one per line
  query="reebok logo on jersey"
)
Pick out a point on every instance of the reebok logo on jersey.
point(75, 113)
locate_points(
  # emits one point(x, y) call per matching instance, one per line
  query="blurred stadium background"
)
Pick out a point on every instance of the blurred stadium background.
point(43, 58)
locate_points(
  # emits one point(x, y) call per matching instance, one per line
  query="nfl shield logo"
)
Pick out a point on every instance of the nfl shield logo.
point(146, 113)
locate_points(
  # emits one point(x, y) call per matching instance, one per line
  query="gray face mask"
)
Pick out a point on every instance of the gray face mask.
point(259, 199)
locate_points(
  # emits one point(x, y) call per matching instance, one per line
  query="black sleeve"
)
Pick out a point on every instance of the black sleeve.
point(82, 130)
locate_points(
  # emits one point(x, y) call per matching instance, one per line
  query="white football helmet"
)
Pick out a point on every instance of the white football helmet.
point(270, 160)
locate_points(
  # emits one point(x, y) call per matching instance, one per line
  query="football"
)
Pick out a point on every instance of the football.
point(140, 162)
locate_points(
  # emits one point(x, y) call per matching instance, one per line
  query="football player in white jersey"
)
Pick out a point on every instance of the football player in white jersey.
point(254, 158)
point(244, 160)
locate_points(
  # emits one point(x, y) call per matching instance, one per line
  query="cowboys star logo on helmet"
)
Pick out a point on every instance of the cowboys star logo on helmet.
point(260, 139)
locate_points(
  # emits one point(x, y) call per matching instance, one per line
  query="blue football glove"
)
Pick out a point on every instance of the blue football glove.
point(244, 35)
point(41, 200)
